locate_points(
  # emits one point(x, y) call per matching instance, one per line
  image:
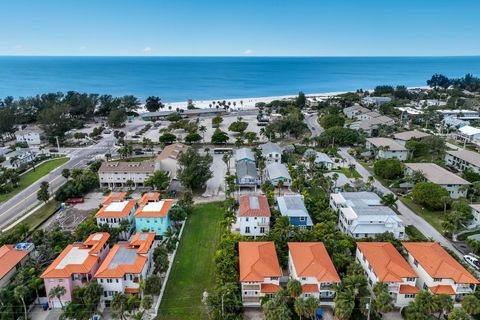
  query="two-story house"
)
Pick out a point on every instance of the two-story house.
point(125, 266)
point(309, 263)
point(271, 152)
point(114, 213)
point(463, 159)
point(438, 272)
point(362, 215)
point(259, 271)
point(75, 266)
point(253, 217)
point(403, 137)
point(385, 148)
point(12, 257)
point(244, 155)
point(383, 263)
point(293, 207)
point(276, 172)
point(154, 217)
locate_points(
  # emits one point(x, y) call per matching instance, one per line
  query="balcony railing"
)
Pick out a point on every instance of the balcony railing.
point(326, 286)
point(251, 299)
point(463, 289)
point(393, 288)
point(251, 287)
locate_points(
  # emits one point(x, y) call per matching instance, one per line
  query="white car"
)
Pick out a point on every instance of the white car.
point(471, 260)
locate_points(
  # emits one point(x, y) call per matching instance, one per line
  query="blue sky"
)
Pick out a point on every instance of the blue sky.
point(240, 27)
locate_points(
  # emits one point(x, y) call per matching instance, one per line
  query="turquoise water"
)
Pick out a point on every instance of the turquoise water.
point(201, 78)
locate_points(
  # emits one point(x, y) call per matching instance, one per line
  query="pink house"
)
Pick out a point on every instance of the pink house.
point(75, 266)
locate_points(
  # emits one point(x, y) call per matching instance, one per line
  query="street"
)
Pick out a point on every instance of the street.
point(313, 125)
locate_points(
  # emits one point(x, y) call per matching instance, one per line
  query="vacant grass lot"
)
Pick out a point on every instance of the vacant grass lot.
point(193, 268)
point(348, 173)
point(32, 176)
point(435, 218)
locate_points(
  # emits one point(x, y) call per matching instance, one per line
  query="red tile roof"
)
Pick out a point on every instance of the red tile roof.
point(438, 263)
point(269, 288)
point(408, 289)
point(112, 209)
point(9, 258)
point(114, 197)
point(306, 288)
point(311, 259)
point(149, 197)
point(132, 290)
point(258, 260)
point(254, 206)
point(387, 263)
point(154, 209)
point(442, 289)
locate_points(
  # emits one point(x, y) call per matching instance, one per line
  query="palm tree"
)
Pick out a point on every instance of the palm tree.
point(444, 304)
point(57, 292)
point(226, 158)
point(294, 288)
point(458, 314)
point(108, 156)
point(21, 292)
point(383, 302)
point(351, 168)
point(334, 179)
point(344, 304)
point(280, 186)
point(36, 283)
point(311, 305)
point(446, 200)
point(119, 304)
point(471, 304)
point(299, 307)
point(390, 200)
point(203, 129)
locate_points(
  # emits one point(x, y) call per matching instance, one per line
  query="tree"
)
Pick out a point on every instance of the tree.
point(129, 183)
point(311, 305)
point(389, 200)
point(388, 168)
point(301, 100)
point(167, 138)
point(276, 308)
point(299, 307)
point(159, 181)
point(153, 104)
point(458, 314)
point(153, 284)
point(21, 292)
point(383, 302)
point(147, 302)
point(332, 120)
point(43, 194)
point(444, 303)
point(202, 129)
point(338, 136)
point(66, 173)
point(422, 307)
point(216, 121)
point(438, 80)
point(119, 304)
point(194, 169)
point(130, 103)
point(117, 118)
point(177, 214)
point(36, 284)
point(57, 292)
point(294, 288)
point(428, 194)
point(344, 304)
point(219, 137)
point(238, 126)
point(192, 137)
point(471, 304)
point(160, 258)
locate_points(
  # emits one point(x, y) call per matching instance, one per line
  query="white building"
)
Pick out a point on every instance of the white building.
point(322, 160)
point(362, 215)
point(125, 266)
point(114, 174)
point(385, 148)
point(438, 272)
point(339, 180)
point(368, 115)
point(253, 216)
point(383, 263)
point(260, 271)
point(31, 135)
point(114, 213)
point(309, 263)
point(462, 159)
point(16, 158)
point(402, 137)
point(468, 134)
point(461, 114)
point(271, 152)
point(476, 214)
point(438, 175)
point(244, 155)
point(355, 110)
point(371, 126)
point(376, 100)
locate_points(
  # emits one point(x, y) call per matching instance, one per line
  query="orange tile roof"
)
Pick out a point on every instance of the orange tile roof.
point(77, 258)
point(387, 263)
point(126, 257)
point(132, 290)
point(311, 259)
point(114, 196)
point(438, 263)
point(408, 289)
point(257, 261)
point(9, 258)
point(269, 288)
point(310, 288)
point(148, 197)
point(442, 289)
point(254, 206)
point(154, 209)
point(111, 210)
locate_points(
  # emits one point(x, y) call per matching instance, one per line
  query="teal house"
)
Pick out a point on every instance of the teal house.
point(154, 217)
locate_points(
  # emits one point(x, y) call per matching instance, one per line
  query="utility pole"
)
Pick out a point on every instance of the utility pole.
point(369, 307)
point(58, 144)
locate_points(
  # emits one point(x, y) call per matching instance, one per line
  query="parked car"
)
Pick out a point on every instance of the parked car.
point(53, 150)
point(473, 261)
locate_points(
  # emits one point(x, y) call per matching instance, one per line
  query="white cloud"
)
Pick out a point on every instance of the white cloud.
point(248, 52)
point(147, 49)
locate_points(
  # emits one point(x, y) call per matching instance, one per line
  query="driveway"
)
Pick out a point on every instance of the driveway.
point(407, 215)
point(216, 184)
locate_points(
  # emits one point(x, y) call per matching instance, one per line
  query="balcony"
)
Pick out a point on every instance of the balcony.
point(264, 224)
point(251, 299)
point(393, 288)
point(326, 286)
point(251, 287)
point(463, 289)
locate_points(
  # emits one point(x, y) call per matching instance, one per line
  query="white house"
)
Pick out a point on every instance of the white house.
point(383, 263)
point(339, 180)
point(114, 213)
point(376, 100)
point(16, 158)
point(260, 271)
point(253, 216)
point(31, 135)
point(322, 160)
point(309, 263)
point(125, 266)
point(402, 137)
point(354, 111)
point(438, 175)
point(368, 115)
point(462, 159)
point(370, 127)
point(461, 114)
point(385, 148)
point(276, 172)
point(271, 152)
point(468, 134)
point(362, 215)
point(438, 272)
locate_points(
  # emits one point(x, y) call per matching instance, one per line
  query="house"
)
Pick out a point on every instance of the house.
point(253, 215)
point(438, 272)
point(148, 197)
point(461, 114)
point(271, 152)
point(309, 263)
point(362, 215)
point(370, 127)
point(438, 175)
point(322, 160)
point(462, 159)
point(113, 174)
point(293, 207)
point(13, 257)
point(376, 100)
point(75, 266)
point(125, 266)
point(339, 180)
point(368, 115)
point(247, 175)
point(154, 217)
point(244, 155)
point(32, 135)
point(276, 172)
point(259, 271)
point(402, 137)
point(114, 197)
point(383, 263)
point(476, 214)
point(114, 213)
point(167, 160)
point(353, 111)
point(385, 148)
point(16, 158)
point(191, 113)
point(468, 134)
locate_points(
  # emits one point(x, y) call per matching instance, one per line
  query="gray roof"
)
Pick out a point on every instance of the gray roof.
point(292, 205)
point(270, 147)
point(342, 179)
point(244, 154)
point(132, 167)
point(246, 169)
point(467, 155)
point(277, 170)
point(386, 142)
point(123, 256)
point(361, 199)
point(322, 157)
point(436, 174)
point(407, 135)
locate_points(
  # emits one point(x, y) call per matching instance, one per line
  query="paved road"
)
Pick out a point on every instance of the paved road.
point(313, 125)
point(407, 215)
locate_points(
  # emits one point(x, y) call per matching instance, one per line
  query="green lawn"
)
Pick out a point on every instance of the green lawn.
point(32, 176)
point(435, 218)
point(193, 268)
point(41, 215)
point(347, 173)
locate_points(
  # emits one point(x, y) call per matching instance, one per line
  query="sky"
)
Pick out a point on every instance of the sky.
point(240, 27)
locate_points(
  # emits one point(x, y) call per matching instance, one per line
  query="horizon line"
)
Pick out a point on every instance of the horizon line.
point(239, 56)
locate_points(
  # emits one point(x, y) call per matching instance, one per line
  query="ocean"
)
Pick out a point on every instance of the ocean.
point(202, 78)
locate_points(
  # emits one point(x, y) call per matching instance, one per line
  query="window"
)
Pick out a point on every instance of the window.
point(410, 279)
point(303, 278)
point(437, 279)
point(262, 229)
point(302, 218)
point(247, 229)
point(273, 278)
point(407, 296)
point(109, 280)
point(246, 219)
